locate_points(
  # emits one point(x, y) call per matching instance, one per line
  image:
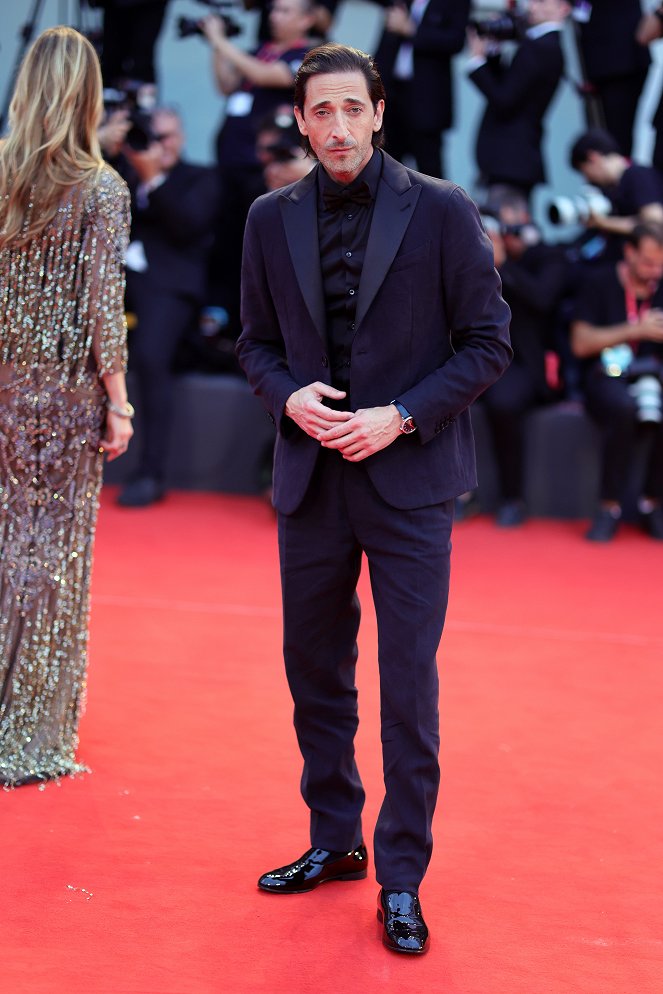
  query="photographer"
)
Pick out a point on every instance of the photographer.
point(174, 211)
point(508, 148)
point(279, 150)
point(415, 54)
point(533, 277)
point(255, 84)
point(617, 332)
point(635, 191)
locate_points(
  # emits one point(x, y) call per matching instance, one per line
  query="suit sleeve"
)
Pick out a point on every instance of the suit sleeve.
point(260, 347)
point(507, 90)
point(442, 34)
point(478, 320)
point(188, 211)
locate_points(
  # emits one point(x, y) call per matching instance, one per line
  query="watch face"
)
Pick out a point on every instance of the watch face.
point(408, 426)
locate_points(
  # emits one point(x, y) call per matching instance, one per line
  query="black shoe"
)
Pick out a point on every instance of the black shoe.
point(652, 522)
point(510, 514)
point(403, 927)
point(141, 492)
point(604, 526)
point(317, 866)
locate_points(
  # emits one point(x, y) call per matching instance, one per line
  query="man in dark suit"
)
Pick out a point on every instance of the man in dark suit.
point(174, 210)
point(372, 318)
point(414, 58)
point(518, 94)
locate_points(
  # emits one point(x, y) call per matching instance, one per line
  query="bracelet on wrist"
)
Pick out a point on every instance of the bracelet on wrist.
point(122, 410)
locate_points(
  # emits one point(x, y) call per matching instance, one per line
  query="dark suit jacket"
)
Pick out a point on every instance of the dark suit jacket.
point(440, 35)
point(518, 95)
point(607, 41)
point(176, 227)
point(432, 329)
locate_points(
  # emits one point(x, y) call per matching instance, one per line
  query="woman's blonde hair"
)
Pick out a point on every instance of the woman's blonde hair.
point(52, 143)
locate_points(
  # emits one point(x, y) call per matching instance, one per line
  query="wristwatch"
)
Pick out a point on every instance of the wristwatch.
point(122, 412)
point(407, 424)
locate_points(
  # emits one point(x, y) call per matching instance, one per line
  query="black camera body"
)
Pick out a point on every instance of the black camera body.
point(187, 27)
point(499, 27)
point(140, 135)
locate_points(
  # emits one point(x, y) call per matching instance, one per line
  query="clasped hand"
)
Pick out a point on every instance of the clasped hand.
point(356, 435)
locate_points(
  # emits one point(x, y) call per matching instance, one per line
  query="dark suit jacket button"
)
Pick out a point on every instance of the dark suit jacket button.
point(325, 361)
point(271, 418)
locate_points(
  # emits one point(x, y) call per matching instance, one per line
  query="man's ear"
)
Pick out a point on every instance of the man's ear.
point(299, 117)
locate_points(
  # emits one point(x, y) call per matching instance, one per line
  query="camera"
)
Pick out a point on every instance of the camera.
point(128, 97)
point(187, 27)
point(576, 210)
point(500, 27)
point(644, 374)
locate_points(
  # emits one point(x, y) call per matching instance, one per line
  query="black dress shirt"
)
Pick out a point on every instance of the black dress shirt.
point(343, 237)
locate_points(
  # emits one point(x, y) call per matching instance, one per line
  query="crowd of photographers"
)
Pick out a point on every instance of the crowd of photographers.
point(587, 314)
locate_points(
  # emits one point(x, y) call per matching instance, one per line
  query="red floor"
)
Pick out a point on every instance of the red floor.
point(546, 878)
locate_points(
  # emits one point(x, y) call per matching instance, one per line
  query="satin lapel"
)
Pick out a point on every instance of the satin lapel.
point(391, 215)
point(300, 220)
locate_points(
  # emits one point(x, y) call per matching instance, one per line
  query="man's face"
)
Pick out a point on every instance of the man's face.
point(595, 170)
point(288, 20)
point(339, 121)
point(645, 262)
point(168, 129)
point(541, 11)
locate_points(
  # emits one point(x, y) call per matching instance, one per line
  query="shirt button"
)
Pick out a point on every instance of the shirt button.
point(349, 255)
point(351, 292)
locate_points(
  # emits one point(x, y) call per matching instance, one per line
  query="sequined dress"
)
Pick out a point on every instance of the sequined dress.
point(61, 327)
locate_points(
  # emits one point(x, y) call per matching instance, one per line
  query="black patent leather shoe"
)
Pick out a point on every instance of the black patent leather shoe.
point(317, 866)
point(403, 927)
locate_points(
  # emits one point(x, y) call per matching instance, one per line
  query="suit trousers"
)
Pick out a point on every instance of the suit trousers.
point(162, 322)
point(408, 554)
point(610, 404)
point(506, 403)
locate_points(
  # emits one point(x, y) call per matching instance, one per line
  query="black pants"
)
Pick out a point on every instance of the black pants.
point(162, 321)
point(506, 403)
point(619, 99)
point(425, 146)
point(609, 402)
point(130, 34)
point(408, 552)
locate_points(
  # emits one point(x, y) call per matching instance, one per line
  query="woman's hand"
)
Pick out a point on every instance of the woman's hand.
point(118, 434)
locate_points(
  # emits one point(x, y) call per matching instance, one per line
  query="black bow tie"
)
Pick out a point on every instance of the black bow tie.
point(334, 201)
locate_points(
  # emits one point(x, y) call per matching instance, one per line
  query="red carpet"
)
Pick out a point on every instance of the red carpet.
point(546, 879)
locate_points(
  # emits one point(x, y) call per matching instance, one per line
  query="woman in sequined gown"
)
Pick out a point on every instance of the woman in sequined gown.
point(64, 222)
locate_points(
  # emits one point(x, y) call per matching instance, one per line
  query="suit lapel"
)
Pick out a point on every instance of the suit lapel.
point(299, 210)
point(394, 207)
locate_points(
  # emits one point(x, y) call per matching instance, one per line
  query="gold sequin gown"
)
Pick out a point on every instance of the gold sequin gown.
point(62, 326)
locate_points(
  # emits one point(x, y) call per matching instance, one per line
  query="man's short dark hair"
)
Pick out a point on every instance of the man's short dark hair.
point(334, 58)
point(594, 140)
point(646, 229)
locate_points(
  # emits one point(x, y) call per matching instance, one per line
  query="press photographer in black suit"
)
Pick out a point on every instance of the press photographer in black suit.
point(518, 94)
point(414, 55)
point(174, 211)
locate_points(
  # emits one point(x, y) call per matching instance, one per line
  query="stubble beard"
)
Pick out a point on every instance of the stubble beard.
point(343, 171)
